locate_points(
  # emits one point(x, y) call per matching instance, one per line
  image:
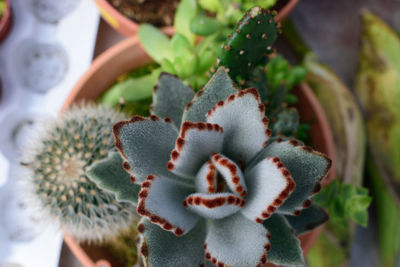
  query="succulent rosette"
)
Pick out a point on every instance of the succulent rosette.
point(212, 187)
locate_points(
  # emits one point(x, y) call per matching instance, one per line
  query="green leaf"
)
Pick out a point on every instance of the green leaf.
point(131, 89)
point(357, 207)
point(344, 202)
point(206, 61)
point(179, 44)
point(186, 65)
point(156, 43)
point(204, 25)
point(285, 246)
point(211, 5)
point(160, 248)
point(170, 98)
point(168, 66)
point(109, 175)
point(186, 11)
point(295, 76)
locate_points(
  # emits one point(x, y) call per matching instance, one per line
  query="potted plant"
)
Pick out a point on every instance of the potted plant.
point(130, 55)
point(5, 18)
point(125, 18)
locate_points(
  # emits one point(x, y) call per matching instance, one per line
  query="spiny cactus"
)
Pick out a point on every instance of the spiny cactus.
point(188, 218)
point(57, 162)
point(250, 44)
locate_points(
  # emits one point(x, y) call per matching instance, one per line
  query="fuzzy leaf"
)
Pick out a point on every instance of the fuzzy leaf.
point(145, 144)
point(307, 167)
point(160, 248)
point(170, 98)
point(161, 201)
point(206, 178)
point(231, 173)
point(218, 88)
point(236, 241)
point(196, 142)
point(269, 184)
point(309, 219)
point(214, 206)
point(245, 126)
point(285, 246)
point(156, 43)
point(109, 175)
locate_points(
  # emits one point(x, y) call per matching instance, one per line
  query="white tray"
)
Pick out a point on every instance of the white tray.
point(24, 238)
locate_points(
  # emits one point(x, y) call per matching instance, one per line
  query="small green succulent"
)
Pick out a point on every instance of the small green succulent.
point(180, 55)
point(57, 162)
point(213, 189)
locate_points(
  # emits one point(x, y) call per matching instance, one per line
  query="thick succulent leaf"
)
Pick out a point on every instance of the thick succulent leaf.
point(245, 125)
point(218, 88)
point(236, 241)
point(206, 178)
point(156, 43)
point(161, 201)
point(231, 173)
point(160, 248)
point(170, 97)
point(214, 206)
point(185, 12)
point(145, 144)
point(308, 168)
point(269, 184)
point(309, 218)
point(109, 175)
point(196, 142)
point(285, 246)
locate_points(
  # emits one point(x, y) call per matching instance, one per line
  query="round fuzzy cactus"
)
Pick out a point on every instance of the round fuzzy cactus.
point(57, 162)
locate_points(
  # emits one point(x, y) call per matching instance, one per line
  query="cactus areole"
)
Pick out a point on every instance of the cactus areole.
point(213, 188)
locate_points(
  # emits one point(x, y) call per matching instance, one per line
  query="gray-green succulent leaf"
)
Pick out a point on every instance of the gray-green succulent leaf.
point(308, 219)
point(110, 175)
point(219, 168)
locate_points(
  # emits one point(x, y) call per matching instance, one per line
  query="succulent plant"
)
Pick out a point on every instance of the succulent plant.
point(212, 188)
point(250, 44)
point(57, 162)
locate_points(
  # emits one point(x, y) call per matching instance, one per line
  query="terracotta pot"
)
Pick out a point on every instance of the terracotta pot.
point(128, 55)
point(5, 21)
point(127, 27)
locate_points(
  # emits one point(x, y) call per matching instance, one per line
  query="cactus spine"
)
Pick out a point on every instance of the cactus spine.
point(57, 162)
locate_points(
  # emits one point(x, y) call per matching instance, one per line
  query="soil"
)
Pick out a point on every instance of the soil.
point(157, 12)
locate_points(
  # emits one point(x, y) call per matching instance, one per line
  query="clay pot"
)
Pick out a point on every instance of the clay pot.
point(128, 55)
point(5, 21)
point(127, 27)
